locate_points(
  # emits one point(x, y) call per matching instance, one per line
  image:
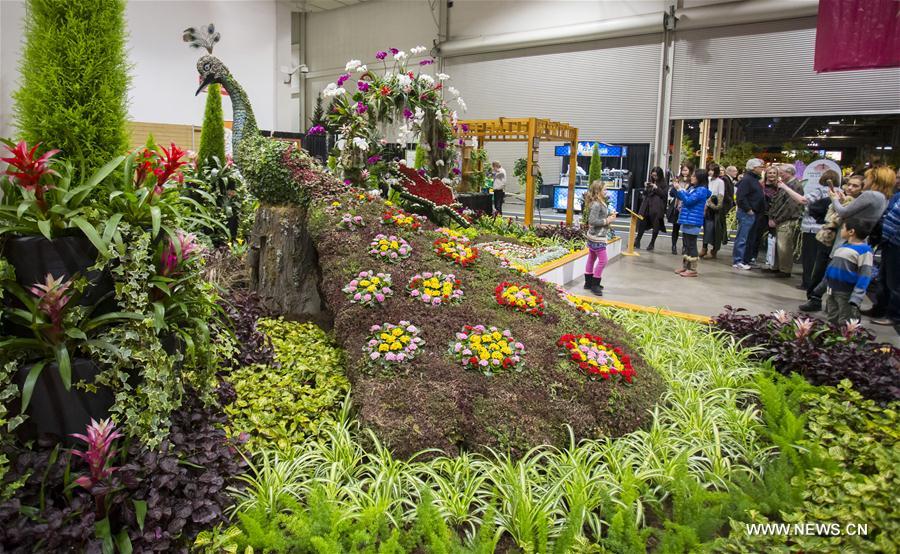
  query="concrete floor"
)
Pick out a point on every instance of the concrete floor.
point(649, 280)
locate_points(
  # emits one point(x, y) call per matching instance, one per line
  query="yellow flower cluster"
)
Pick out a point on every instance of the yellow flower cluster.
point(384, 244)
point(393, 340)
point(371, 285)
point(520, 297)
point(490, 346)
point(433, 287)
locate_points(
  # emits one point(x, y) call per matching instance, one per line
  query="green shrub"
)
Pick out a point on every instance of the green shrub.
point(281, 405)
point(212, 137)
point(596, 170)
point(74, 76)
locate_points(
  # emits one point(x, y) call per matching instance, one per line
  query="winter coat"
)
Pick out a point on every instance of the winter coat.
point(750, 194)
point(693, 200)
point(653, 206)
point(728, 200)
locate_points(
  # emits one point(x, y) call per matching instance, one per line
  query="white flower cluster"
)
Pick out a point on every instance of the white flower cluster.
point(405, 82)
point(400, 56)
point(362, 69)
point(453, 91)
point(352, 64)
point(333, 90)
point(427, 79)
point(442, 76)
point(360, 143)
point(417, 50)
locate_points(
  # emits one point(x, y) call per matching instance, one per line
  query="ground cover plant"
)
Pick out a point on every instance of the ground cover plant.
point(823, 353)
point(427, 398)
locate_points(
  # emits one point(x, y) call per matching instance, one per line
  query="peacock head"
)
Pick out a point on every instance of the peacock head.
point(211, 70)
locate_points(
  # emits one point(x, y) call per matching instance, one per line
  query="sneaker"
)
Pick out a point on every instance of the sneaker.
point(811, 306)
point(883, 321)
point(689, 273)
point(742, 266)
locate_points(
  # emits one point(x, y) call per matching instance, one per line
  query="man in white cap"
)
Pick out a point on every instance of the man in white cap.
point(751, 203)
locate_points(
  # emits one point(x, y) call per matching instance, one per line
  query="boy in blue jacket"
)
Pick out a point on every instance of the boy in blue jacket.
point(693, 201)
point(849, 273)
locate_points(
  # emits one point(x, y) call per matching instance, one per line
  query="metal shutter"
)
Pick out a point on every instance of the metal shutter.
point(766, 69)
point(608, 89)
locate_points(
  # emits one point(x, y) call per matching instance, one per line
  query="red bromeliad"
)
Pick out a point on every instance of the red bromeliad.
point(28, 170)
point(54, 294)
point(170, 261)
point(164, 168)
point(98, 456)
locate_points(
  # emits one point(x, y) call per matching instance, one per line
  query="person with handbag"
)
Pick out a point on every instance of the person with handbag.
point(653, 208)
point(673, 210)
point(711, 238)
point(784, 219)
point(750, 204)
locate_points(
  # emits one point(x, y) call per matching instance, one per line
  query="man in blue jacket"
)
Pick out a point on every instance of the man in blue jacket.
point(751, 207)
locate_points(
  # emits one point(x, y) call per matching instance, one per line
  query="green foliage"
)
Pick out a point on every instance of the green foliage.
point(281, 405)
point(212, 137)
point(596, 170)
point(269, 178)
point(520, 169)
point(226, 198)
point(738, 154)
point(74, 77)
point(419, 161)
point(799, 152)
point(474, 181)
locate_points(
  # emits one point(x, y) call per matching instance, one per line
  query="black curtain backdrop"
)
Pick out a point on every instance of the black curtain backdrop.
point(635, 162)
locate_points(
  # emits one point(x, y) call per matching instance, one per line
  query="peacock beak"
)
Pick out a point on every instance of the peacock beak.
point(206, 81)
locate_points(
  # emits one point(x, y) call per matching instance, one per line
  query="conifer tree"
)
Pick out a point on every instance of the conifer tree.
point(212, 137)
point(596, 169)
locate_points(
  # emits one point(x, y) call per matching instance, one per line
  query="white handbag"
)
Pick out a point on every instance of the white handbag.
point(770, 251)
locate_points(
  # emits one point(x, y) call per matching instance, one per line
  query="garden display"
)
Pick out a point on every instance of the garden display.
point(258, 384)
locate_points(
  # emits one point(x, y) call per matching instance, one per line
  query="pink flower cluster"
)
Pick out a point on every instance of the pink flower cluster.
point(170, 263)
point(391, 248)
point(369, 288)
point(390, 345)
point(350, 221)
point(435, 288)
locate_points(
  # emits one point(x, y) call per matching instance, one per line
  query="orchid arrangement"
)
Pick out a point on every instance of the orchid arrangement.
point(369, 288)
point(457, 251)
point(390, 345)
point(435, 288)
point(390, 248)
point(396, 92)
point(520, 297)
point(350, 222)
point(520, 255)
point(402, 219)
point(486, 349)
point(596, 358)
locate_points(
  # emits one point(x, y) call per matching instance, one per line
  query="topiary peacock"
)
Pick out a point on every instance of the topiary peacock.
point(277, 172)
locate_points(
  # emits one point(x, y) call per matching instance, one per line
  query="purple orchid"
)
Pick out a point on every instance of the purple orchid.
point(343, 79)
point(316, 130)
point(348, 182)
point(361, 108)
point(363, 86)
point(455, 171)
point(426, 62)
point(381, 54)
point(393, 50)
point(441, 145)
point(407, 113)
point(373, 159)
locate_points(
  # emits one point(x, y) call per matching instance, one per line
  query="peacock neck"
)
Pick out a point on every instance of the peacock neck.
point(244, 124)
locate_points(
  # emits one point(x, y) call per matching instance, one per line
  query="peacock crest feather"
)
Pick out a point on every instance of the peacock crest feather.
point(206, 37)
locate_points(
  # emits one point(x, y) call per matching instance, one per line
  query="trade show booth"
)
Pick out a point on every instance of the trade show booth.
point(615, 177)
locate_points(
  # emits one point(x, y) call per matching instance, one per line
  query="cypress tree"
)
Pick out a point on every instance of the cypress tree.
point(74, 79)
point(212, 136)
point(318, 116)
point(596, 170)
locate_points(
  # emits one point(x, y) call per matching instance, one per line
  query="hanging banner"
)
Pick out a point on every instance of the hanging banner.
point(857, 34)
point(815, 169)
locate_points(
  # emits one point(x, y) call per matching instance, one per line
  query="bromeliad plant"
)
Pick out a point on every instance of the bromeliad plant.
point(390, 248)
point(38, 197)
point(391, 345)
point(59, 325)
point(520, 297)
point(457, 251)
point(369, 288)
point(486, 349)
point(435, 288)
point(596, 358)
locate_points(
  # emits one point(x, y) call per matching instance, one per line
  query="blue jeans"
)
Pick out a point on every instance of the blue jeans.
point(745, 226)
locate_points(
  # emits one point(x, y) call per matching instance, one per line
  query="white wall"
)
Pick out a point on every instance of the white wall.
point(255, 43)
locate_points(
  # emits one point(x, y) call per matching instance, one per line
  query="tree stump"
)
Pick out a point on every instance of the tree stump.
point(284, 266)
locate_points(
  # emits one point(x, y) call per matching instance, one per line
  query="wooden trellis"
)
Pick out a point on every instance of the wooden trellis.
point(532, 131)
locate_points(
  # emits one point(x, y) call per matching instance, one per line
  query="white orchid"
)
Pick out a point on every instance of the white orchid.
point(400, 56)
point(454, 118)
point(426, 79)
point(453, 91)
point(352, 64)
point(439, 163)
point(360, 143)
point(362, 69)
point(442, 76)
point(461, 103)
point(333, 90)
point(417, 50)
point(447, 181)
point(341, 144)
point(404, 80)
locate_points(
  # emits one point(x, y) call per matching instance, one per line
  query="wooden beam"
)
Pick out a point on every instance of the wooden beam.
point(573, 164)
point(529, 178)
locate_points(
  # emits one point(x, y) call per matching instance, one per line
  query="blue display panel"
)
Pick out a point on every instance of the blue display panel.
point(561, 197)
point(586, 148)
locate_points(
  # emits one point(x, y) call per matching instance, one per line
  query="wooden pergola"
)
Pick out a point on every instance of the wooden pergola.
point(532, 131)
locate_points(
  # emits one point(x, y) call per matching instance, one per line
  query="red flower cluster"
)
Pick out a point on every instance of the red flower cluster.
point(595, 357)
point(398, 217)
point(150, 162)
point(520, 297)
point(28, 170)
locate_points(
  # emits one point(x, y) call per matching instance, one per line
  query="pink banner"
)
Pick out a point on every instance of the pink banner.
point(857, 34)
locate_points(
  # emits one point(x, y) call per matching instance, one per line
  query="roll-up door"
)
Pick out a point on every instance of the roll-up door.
point(766, 69)
point(607, 89)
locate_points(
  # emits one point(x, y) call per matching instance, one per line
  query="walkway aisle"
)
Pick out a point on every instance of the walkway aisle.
point(649, 280)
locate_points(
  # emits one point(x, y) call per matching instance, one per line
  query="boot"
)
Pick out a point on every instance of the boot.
point(692, 264)
point(703, 252)
point(588, 280)
point(811, 305)
point(651, 245)
point(684, 265)
point(597, 288)
point(675, 249)
point(712, 254)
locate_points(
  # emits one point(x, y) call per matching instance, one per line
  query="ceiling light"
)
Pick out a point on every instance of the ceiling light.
point(834, 122)
point(888, 147)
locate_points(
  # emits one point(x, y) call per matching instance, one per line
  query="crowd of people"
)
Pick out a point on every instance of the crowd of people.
point(847, 233)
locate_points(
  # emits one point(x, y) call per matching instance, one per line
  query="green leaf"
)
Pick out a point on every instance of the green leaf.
point(140, 512)
point(156, 219)
point(30, 380)
point(112, 225)
point(103, 172)
point(65, 365)
point(45, 227)
point(159, 315)
point(91, 233)
point(123, 542)
point(76, 333)
point(104, 533)
point(127, 174)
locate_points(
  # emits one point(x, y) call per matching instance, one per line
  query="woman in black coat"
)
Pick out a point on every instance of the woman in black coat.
point(653, 207)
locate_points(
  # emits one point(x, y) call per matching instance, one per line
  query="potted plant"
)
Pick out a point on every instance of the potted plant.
point(59, 327)
point(45, 219)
